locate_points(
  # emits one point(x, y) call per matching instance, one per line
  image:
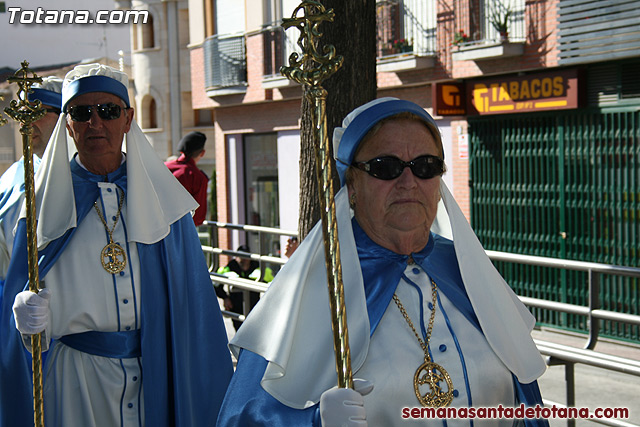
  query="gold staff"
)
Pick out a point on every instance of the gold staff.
point(26, 113)
point(311, 70)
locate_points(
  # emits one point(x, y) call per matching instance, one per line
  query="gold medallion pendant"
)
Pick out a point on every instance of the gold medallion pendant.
point(112, 257)
point(114, 260)
point(429, 373)
point(433, 375)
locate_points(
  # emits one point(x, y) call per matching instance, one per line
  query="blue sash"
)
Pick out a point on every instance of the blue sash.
point(116, 345)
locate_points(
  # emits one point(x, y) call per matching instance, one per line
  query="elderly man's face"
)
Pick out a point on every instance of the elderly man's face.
point(42, 130)
point(404, 206)
point(99, 141)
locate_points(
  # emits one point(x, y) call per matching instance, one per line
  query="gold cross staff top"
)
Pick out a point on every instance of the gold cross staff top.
point(301, 70)
point(22, 110)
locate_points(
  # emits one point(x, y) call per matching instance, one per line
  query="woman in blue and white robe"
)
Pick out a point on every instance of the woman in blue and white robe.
point(391, 243)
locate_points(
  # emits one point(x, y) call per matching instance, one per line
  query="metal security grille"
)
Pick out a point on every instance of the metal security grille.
point(225, 61)
point(564, 185)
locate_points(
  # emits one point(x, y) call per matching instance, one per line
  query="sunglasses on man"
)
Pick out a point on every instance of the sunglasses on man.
point(389, 167)
point(82, 113)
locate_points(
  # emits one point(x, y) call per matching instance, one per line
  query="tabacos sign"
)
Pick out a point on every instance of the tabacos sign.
point(557, 90)
point(449, 99)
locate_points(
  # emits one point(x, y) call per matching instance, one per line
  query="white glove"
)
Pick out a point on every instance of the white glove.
point(31, 311)
point(344, 407)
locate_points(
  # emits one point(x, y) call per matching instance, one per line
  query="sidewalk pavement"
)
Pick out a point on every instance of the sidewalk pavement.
point(594, 387)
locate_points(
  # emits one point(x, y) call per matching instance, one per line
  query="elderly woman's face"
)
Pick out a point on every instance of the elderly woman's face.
point(402, 208)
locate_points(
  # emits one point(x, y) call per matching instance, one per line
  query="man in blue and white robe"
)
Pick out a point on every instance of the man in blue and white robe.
point(144, 346)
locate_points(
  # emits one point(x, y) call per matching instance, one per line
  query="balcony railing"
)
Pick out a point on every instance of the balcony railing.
point(492, 29)
point(406, 27)
point(510, 12)
point(225, 62)
point(480, 25)
point(278, 45)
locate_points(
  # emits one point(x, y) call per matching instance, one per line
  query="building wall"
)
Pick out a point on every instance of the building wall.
point(248, 118)
point(246, 112)
point(157, 73)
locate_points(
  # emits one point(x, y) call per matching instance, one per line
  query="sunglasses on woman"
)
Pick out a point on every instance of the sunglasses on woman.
point(388, 167)
point(82, 113)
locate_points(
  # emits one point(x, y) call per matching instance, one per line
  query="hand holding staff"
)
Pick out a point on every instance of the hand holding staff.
point(26, 113)
point(311, 70)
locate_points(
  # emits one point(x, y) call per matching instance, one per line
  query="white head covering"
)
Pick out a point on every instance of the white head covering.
point(50, 83)
point(48, 91)
point(155, 199)
point(296, 338)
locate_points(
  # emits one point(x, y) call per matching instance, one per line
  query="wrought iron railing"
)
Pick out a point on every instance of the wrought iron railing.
point(406, 27)
point(481, 23)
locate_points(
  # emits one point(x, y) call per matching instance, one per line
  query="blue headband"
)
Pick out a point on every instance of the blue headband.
point(47, 97)
point(362, 124)
point(94, 84)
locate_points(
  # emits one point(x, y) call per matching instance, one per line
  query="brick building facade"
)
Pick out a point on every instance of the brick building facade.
point(235, 52)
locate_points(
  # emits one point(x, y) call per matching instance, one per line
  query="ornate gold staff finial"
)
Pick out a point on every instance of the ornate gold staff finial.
point(26, 113)
point(311, 70)
point(313, 67)
point(3, 121)
point(22, 110)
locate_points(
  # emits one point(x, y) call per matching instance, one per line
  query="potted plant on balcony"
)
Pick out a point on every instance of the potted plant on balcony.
point(459, 38)
point(403, 45)
point(500, 21)
point(396, 46)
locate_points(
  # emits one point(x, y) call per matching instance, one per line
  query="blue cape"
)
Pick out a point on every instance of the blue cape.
point(11, 188)
point(185, 361)
point(248, 404)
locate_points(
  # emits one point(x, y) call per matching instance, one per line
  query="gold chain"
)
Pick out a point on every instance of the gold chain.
point(113, 256)
point(429, 374)
point(104, 221)
point(425, 347)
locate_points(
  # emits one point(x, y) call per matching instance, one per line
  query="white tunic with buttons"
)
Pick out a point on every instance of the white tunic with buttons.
point(479, 378)
point(81, 389)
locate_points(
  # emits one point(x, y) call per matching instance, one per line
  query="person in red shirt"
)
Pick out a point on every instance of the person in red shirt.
point(185, 170)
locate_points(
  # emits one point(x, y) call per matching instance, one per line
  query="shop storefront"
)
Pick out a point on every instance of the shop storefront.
point(555, 171)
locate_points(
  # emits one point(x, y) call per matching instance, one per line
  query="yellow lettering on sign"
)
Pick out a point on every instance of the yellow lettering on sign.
point(504, 93)
point(514, 90)
point(546, 87)
point(481, 98)
point(558, 86)
point(524, 90)
point(494, 92)
point(535, 88)
point(520, 94)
